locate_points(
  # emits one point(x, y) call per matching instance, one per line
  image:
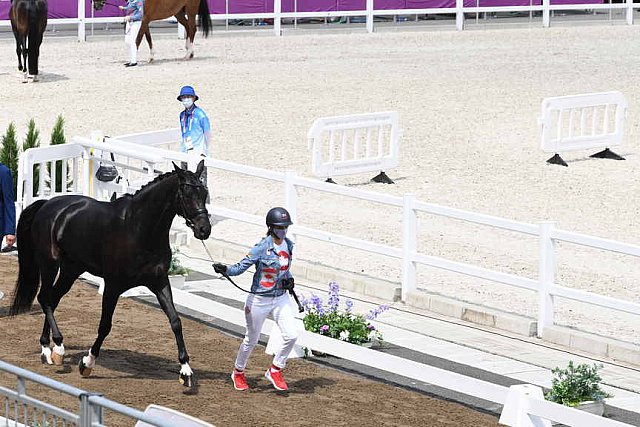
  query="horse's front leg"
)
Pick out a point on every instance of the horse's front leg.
point(109, 301)
point(165, 298)
point(147, 35)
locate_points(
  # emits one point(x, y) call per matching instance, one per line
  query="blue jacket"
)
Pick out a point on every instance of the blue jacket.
point(137, 7)
point(7, 203)
point(267, 263)
point(194, 124)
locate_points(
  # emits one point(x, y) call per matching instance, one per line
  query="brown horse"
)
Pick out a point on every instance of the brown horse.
point(28, 22)
point(185, 12)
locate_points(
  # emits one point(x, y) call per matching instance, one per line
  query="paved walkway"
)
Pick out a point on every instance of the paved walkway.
point(489, 354)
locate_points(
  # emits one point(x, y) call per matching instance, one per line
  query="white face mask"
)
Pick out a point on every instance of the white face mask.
point(187, 102)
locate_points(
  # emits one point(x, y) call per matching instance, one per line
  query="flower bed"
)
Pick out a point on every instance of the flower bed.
point(343, 324)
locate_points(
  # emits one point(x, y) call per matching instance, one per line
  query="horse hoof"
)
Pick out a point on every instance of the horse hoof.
point(57, 358)
point(84, 371)
point(45, 360)
point(186, 380)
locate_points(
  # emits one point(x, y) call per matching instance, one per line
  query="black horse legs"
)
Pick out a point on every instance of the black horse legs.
point(109, 301)
point(166, 302)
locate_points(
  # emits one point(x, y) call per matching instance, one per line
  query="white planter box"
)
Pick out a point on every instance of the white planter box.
point(177, 281)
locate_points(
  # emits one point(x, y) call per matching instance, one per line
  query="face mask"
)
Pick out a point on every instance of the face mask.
point(280, 233)
point(187, 102)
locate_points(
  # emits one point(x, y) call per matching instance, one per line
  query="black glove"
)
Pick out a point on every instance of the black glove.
point(287, 284)
point(219, 268)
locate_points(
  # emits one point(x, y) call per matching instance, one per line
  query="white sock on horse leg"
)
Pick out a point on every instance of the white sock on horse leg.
point(46, 352)
point(59, 349)
point(89, 360)
point(185, 369)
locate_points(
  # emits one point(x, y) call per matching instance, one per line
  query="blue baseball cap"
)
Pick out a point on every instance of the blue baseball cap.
point(187, 91)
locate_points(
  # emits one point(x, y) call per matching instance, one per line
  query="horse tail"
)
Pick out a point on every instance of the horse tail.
point(29, 271)
point(205, 18)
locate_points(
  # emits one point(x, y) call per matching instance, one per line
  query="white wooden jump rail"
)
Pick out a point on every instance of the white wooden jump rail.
point(580, 122)
point(545, 286)
point(369, 12)
point(358, 143)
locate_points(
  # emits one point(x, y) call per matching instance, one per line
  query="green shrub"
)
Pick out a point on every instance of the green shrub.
point(575, 384)
point(32, 140)
point(9, 154)
point(57, 138)
point(175, 268)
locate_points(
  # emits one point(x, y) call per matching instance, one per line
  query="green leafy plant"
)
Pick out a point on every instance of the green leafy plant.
point(328, 319)
point(32, 140)
point(57, 138)
point(9, 154)
point(576, 384)
point(175, 268)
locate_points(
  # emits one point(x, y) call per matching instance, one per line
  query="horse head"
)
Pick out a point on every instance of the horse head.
point(192, 195)
point(98, 4)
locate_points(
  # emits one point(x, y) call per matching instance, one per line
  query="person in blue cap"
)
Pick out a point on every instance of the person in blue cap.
point(7, 209)
point(194, 126)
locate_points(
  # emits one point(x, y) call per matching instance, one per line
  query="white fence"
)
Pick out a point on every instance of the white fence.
point(580, 122)
point(143, 162)
point(343, 145)
point(369, 13)
point(546, 287)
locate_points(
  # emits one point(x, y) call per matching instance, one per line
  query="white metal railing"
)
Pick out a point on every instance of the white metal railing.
point(369, 13)
point(545, 286)
point(25, 410)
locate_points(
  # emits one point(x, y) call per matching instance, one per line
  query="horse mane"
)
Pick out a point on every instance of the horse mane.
point(155, 180)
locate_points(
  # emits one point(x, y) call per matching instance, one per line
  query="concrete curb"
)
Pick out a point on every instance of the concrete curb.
point(593, 344)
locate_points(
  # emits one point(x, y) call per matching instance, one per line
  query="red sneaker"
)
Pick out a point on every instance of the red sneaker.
point(276, 379)
point(239, 381)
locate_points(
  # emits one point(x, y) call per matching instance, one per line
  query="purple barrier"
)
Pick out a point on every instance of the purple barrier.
point(68, 8)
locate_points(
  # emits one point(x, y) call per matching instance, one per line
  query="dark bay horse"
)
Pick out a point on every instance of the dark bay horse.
point(125, 241)
point(28, 22)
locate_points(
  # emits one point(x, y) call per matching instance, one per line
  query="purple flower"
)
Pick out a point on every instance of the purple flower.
point(317, 303)
point(349, 305)
point(373, 314)
point(371, 327)
point(324, 328)
point(334, 299)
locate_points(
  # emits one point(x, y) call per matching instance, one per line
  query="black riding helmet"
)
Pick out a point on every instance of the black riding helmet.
point(278, 217)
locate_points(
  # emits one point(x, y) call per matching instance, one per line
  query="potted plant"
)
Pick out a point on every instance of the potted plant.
point(343, 324)
point(578, 386)
point(177, 272)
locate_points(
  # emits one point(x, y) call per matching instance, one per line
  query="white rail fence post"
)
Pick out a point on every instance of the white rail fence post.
point(81, 16)
point(546, 277)
point(277, 12)
point(546, 13)
point(460, 15)
point(629, 12)
point(409, 245)
point(291, 197)
point(369, 16)
point(86, 172)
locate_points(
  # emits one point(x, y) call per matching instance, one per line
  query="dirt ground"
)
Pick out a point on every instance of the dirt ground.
point(138, 366)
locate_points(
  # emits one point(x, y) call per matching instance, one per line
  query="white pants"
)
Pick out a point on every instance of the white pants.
point(130, 40)
point(256, 310)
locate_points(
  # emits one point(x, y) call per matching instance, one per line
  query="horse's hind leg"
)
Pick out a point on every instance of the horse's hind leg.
point(109, 301)
point(147, 35)
point(49, 298)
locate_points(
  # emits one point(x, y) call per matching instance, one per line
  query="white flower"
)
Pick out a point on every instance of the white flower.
point(373, 336)
point(344, 335)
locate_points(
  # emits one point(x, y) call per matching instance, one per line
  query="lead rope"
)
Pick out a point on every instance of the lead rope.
point(226, 276)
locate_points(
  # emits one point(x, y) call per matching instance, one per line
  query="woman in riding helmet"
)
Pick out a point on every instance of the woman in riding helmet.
point(271, 281)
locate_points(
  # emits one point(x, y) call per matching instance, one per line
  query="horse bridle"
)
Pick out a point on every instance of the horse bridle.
point(199, 211)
